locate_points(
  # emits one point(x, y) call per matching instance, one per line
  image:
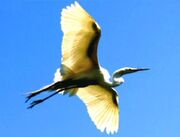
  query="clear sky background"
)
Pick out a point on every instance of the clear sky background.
point(136, 33)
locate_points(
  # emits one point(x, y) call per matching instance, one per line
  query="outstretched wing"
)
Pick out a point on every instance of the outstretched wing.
point(102, 106)
point(80, 40)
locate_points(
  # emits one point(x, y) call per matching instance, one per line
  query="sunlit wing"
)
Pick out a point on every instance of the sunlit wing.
point(80, 40)
point(102, 106)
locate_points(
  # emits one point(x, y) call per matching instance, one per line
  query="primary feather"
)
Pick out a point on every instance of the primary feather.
point(102, 106)
point(80, 40)
point(79, 54)
point(80, 72)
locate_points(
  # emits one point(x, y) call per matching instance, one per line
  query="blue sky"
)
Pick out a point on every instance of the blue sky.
point(135, 33)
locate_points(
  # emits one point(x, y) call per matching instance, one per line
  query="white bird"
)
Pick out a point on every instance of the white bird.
point(80, 72)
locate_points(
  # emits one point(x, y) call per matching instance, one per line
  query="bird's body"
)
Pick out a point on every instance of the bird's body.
point(80, 73)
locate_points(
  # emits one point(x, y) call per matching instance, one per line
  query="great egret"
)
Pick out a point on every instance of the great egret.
point(80, 72)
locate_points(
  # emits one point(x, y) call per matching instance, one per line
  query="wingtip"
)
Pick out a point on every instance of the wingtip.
point(69, 7)
point(76, 3)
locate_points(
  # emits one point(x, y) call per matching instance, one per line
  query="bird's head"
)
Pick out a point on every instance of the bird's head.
point(117, 75)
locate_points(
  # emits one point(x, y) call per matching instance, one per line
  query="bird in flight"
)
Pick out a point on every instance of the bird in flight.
point(81, 74)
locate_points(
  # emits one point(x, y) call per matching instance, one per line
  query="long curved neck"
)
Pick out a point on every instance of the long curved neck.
point(117, 75)
point(116, 80)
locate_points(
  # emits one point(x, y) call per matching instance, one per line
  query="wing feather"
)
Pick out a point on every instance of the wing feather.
point(102, 106)
point(80, 40)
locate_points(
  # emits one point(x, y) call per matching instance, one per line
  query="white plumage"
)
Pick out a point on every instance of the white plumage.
point(80, 73)
point(77, 26)
point(101, 108)
point(79, 30)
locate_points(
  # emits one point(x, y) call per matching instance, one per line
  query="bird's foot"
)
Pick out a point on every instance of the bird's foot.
point(30, 95)
point(34, 103)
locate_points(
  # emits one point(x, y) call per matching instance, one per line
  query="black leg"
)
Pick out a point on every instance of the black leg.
point(36, 102)
point(50, 87)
